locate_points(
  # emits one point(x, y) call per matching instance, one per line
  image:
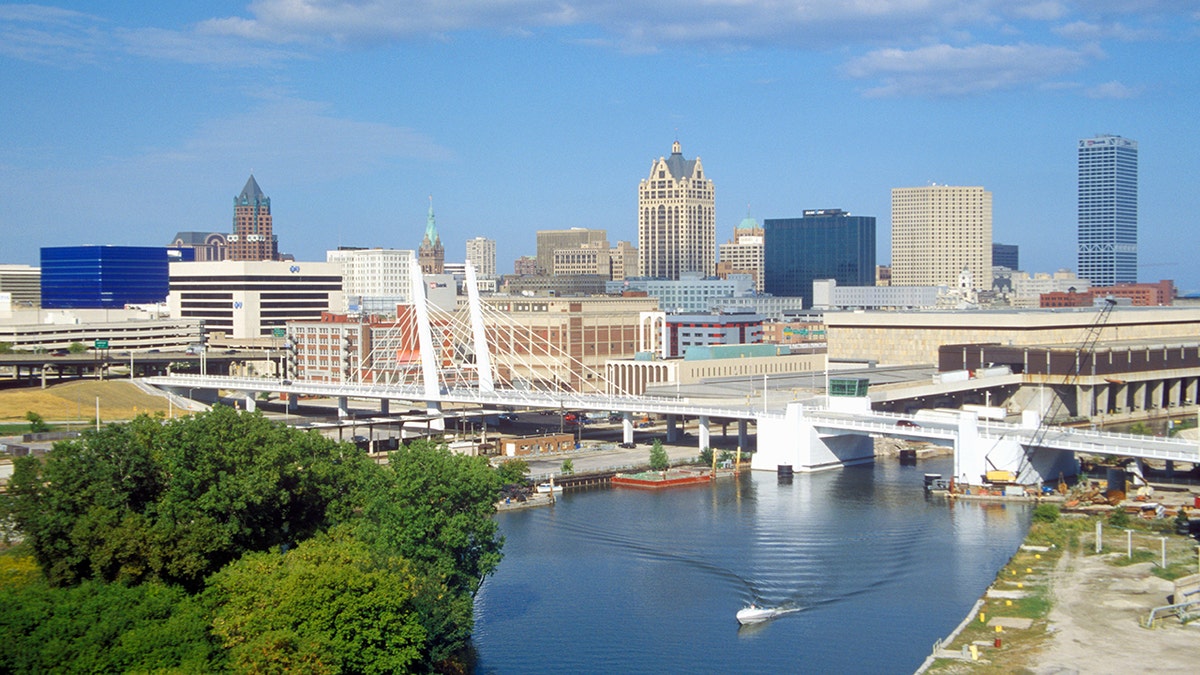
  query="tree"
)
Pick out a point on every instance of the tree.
point(77, 348)
point(659, 461)
point(176, 501)
point(513, 471)
point(37, 424)
point(6, 348)
point(104, 628)
point(568, 466)
point(326, 606)
point(706, 456)
point(435, 509)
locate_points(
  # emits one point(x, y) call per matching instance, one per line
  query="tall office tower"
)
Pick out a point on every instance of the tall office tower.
point(431, 255)
point(549, 241)
point(677, 224)
point(744, 253)
point(481, 252)
point(824, 244)
point(1006, 255)
point(252, 238)
point(940, 231)
point(1108, 204)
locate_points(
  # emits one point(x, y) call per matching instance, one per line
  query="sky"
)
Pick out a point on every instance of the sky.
point(124, 123)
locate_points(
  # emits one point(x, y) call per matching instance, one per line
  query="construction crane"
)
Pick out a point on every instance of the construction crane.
point(1084, 354)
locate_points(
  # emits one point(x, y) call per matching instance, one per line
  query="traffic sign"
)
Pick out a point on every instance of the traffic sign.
point(279, 332)
point(100, 344)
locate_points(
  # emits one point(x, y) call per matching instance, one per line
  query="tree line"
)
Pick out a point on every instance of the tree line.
point(227, 542)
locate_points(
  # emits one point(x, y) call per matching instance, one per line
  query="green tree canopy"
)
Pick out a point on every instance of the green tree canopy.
point(177, 500)
point(327, 606)
point(513, 471)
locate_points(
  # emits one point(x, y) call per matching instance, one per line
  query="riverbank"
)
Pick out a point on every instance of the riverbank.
point(1060, 607)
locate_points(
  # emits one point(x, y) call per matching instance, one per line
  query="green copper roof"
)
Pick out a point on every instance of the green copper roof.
point(431, 233)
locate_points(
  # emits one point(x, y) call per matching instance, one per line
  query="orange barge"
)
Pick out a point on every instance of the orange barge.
point(660, 479)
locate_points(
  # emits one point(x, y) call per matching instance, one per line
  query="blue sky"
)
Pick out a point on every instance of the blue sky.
point(123, 123)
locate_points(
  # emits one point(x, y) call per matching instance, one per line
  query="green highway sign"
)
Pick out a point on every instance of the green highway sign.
point(101, 344)
point(279, 332)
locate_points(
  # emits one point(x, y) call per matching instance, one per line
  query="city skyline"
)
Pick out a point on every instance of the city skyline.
point(543, 115)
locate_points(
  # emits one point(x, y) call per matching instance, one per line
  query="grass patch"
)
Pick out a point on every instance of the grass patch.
point(76, 402)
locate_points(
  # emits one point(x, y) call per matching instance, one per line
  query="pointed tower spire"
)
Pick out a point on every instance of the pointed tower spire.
point(431, 233)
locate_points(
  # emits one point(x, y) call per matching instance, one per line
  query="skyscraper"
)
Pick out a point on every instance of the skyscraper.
point(824, 244)
point(1108, 203)
point(481, 252)
point(252, 238)
point(431, 255)
point(940, 231)
point(677, 225)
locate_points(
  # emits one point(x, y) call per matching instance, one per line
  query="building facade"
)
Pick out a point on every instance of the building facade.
point(938, 231)
point(253, 236)
point(251, 301)
point(743, 254)
point(549, 242)
point(525, 265)
point(622, 261)
point(481, 252)
point(690, 294)
point(24, 283)
point(686, 331)
point(823, 244)
point(105, 277)
point(205, 246)
point(828, 294)
point(677, 225)
point(374, 280)
point(1108, 206)
point(431, 254)
point(1006, 255)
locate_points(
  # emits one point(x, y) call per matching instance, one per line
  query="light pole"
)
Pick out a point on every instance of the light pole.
point(764, 392)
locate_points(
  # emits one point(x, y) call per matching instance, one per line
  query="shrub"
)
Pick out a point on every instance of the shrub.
point(1045, 513)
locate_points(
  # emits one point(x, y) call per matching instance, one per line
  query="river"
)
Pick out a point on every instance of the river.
point(620, 580)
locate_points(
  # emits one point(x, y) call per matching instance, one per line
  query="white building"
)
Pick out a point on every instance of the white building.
point(828, 295)
point(481, 252)
point(374, 280)
point(249, 301)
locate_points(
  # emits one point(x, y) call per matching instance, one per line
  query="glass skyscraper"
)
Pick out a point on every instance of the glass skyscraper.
point(1108, 203)
point(824, 244)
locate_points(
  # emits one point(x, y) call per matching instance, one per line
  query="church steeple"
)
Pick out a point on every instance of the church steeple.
point(431, 233)
point(431, 255)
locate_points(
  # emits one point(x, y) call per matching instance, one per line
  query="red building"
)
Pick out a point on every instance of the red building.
point(1160, 294)
point(252, 238)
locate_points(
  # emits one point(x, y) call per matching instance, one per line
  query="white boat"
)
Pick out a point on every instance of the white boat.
point(549, 488)
point(756, 614)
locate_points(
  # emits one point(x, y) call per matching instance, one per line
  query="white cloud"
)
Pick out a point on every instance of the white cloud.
point(945, 70)
point(288, 135)
point(1087, 31)
point(1112, 90)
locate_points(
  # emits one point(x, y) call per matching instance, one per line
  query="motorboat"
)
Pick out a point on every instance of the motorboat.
point(756, 614)
point(549, 488)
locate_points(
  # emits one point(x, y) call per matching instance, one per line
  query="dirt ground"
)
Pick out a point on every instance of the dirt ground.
point(1093, 623)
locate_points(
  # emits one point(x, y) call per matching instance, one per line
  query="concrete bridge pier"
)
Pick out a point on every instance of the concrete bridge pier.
point(293, 403)
point(384, 407)
point(672, 429)
point(251, 404)
point(975, 455)
point(743, 435)
point(795, 441)
point(343, 407)
point(627, 427)
point(703, 432)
